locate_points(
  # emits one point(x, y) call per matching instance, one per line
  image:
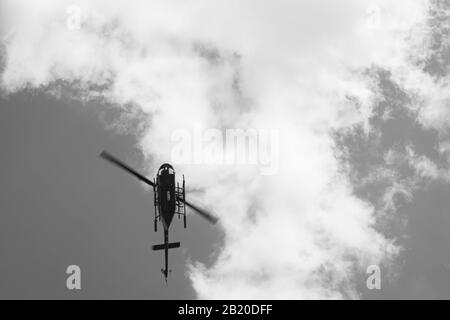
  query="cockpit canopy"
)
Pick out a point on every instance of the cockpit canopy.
point(166, 167)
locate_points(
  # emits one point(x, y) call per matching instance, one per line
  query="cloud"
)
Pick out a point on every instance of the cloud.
point(297, 67)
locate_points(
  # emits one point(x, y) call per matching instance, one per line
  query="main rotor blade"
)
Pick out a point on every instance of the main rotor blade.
point(105, 155)
point(201, 212)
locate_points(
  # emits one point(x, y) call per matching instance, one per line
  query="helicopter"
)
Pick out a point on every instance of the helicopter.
point(169, 200)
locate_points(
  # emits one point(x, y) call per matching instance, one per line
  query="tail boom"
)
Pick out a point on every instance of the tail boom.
point(166, 246)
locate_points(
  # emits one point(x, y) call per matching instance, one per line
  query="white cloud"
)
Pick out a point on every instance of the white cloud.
point(284, 65)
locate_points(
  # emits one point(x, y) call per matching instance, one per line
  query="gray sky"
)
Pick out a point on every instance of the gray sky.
point(62, 205)
point(358, 92)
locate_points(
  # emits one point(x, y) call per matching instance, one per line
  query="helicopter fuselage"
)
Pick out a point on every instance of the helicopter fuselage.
point(165, 192)
point(169, 200)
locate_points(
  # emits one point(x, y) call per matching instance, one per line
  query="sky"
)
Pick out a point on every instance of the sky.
point(356, 93)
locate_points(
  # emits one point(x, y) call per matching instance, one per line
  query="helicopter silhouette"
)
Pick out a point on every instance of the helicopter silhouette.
point(169, 200)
